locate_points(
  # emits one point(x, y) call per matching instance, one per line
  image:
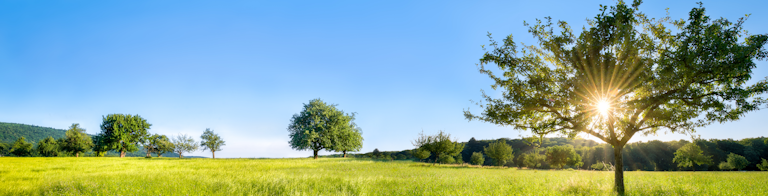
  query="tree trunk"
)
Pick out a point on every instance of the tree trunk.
point(214, 154)
point(180, 155)
point(315, 154)
point(77, 154)
point(149, 154)
point(618, 170)
point(122, 153)
point(345, 154)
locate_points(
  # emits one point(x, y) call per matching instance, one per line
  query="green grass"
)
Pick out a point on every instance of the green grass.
point(172, 176)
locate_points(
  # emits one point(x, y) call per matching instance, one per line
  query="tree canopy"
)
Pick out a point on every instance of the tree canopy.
point(319, 126)
point(625, 74)
point(76, 141)
point(184, 144)
point(439, 144)
point(211, 141)
point(21, 147)
point(691, 154)
point(349, 139)
point(122, 132)
point(48, 147)
point(500, 152)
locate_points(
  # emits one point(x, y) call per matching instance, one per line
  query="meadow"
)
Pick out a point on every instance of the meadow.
point(339, 176)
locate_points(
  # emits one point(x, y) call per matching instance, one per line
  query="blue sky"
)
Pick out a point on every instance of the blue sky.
point(243, 68)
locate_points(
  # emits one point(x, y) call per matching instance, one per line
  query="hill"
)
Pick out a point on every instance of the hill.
point(10, 132)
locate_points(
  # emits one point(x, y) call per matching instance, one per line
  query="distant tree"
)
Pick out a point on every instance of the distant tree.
point(157, 144)
point(184, 144)
point(421, 154)
point(211, 141)
point(690, 155)
point(446, 159)
point(100, 147)
point(499, 151)
point(76, 141)
point(533, 160)
point(21, 147)
point(625, 75)
point(318, 127)
point(376, 153)
point(349, 139)
point(737, 161)
point(123, 132)
point(401, 157)
point(162, 145)
point(763, 166)
point(725, 166)
point(48, 147)
point(603, 166)
point(459, 159)
point(3, 149)
point(439, 144)
point(477, 158)
point(559, 156)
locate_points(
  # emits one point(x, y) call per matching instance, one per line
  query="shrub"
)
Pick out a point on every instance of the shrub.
point(725, 166)
point(763, 166)
point(477, 158)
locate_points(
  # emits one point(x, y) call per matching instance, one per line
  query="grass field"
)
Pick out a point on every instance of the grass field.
point(172, 176)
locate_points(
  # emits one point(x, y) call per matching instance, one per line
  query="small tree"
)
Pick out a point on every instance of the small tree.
point(459, 159)
point(211, 141)
point(477, 158)
point(533, 160)
point(421, 154)
point(349, 139)
point(559, 156)
point(690, 155)
point(737, 161)
point(499, 151)
point(162, 145)
point(376, 153)
point(48, 147)
point(21, 147)
point(439, 144)
point(76, 141)
point(184, 144)
point(446, 159)
point(725, 166)
point(763, 166)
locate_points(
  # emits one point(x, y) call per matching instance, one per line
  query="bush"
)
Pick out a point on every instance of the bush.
point(764, 165)
point(725, 166)
point(477, 158)
point(737, 161)
point(446, 159)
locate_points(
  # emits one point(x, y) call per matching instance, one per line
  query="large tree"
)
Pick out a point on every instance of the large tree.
point(76, 141)
point(499, 151)
point(184, 144)
point(625, 74)
point(122, 132)
point(691, 155)
point(48, 147)
point(211, 141)
point(439, 144)
point(318, 127)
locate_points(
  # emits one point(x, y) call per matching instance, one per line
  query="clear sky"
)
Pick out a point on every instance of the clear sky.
point(243, 68)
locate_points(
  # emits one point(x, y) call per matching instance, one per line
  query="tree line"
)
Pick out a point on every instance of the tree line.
point(123, 133)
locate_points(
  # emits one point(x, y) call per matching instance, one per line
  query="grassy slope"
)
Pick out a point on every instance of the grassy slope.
point(168, 176)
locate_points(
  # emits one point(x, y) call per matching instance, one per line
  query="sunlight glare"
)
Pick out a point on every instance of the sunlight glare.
point(603, 107)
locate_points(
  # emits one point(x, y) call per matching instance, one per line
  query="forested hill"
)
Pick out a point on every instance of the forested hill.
point(10, 132)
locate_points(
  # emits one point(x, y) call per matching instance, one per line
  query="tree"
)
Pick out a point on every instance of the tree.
point(439, 144)
point(533, 160)
point(499, 151)
point(3, 149)
point(725, 166)
point(446, 160)
point(350, 139)
point(376, 153)
point(318, 127)
point(738, 162)
point(100, 147)
point(211, 141)
point(158, 144)
point(459, 159)
point(421, 154)
point(477, 158)
point(625, 74)
point(763, 166)
point(48, 147)
point(76, 141)
point(559, 156)
point(691, 154)
point(123, 132)
point(184, 144)
point(21, 147)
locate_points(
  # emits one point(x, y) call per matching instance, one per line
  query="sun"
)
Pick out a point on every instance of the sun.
point(603, 107)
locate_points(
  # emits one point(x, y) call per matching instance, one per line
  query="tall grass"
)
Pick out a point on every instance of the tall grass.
point(337, 176)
